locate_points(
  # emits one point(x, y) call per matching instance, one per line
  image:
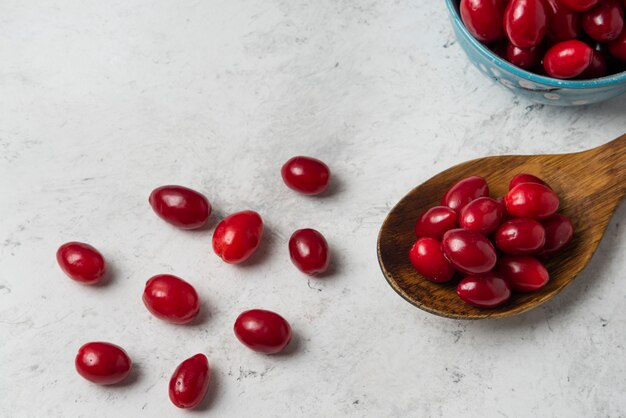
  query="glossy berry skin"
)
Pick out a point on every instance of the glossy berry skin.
point(559, 233)
point(81, 262)
point(598, 67)
point(308, 250)
point(263, 331)
point(579, 5)
point(525, 178)
point(306, 175)
point(468, 251)
point(102, 363)
point(604, 22)
point(482, 215)
point(487, 290)
point(428, 260)
point(523, 273)
point(180, 206)
point(464, 191)
point(520, 236)
point(238, 236)
point(531, 200)
point(525, 22)
point(525, 58)
point(435, 222)
point(171, 299)
point(567, 59)
point(483, 18)
point(563, 23)
point(617, 48)
point(190, 381)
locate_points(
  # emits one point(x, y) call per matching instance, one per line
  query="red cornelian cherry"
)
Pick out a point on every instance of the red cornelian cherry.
point(428, 260)
point(308, 250)
point(238, 236)
point(81, 262)
point(531, 200)
point(563, 23)
point(171, 299)
point(567, 59)
point(520, 236)
point(525, 22)
point(468, 251)
point(617, 48)
point(483, 18)
point(180, 206)
point(487, 290)
point(525, 178)
point(579, 5)
point(464, 191)
point(435, 222)
point(525, 58)
point(598, 67)
point(523, 273)
point(605, 21)
point(190, 381)
point(102, 363)
point(559, 233)
point(263, 331)
point(306, 175)
point(482, 215)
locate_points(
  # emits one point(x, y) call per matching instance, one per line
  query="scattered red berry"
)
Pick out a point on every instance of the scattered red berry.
point(308, 250)
point(306, 175)
point(81, 262)
point(171, 299)
point(180, 206)
point(190, 381)
point(263, 331)
point(238, 236)
point(102, 363)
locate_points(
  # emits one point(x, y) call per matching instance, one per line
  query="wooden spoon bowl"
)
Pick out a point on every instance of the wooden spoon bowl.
point(590, 185)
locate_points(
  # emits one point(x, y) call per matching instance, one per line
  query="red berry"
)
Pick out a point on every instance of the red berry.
point(482, 215)
point(81, 262)
point(563, 23)
point(579, 5)
point(263, 331)
point(487, 290)
point(567, 59)
point(524, 273)
point(102, 363)
point(435, 222)
point(464, 191)
point(180, 206)
point(597, 68)
point(617, 48)
point(468, 251)
point(483, 18)
point(309, 251)
point(559, 233)
point(525, 58)
point(306, 175)
point(171, 299)
point(429, 261)
point(190, 381)
point(605, 21)
point(531, 200)
point(237, 236)
point(520, 236)
point(525, 178)
point(525, 22)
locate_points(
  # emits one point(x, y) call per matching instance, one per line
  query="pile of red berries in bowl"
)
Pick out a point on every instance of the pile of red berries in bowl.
point(496, 245)
point(563, 39)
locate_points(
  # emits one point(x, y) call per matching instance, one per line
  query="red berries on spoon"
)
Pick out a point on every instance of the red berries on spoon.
point(523, 225)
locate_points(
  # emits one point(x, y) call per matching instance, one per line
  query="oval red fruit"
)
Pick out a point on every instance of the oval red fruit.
point(308, 250)
point(81, 262)
point(525, 22)
point(526, 58)
point(429, 261)
point(483, 18)
point(488, 290)
point(525, 178)
point(559, 233)
point(306, 175)
point(171, 299)
point(604, 22)
point(567, 59)
point(238, 236)
point(468, 251)
point(524, 273)
point(531, 200)
point(263, 331)
point(482, 215)
point(435, 222)
point(598, 67)
point(180, 206)
point(520, 236)
point(102, 363)
point(563, 23)
point(464, 191)
point(190, 381)
point(617, 48)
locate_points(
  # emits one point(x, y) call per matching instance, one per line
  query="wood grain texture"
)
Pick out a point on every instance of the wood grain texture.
point(590, 185)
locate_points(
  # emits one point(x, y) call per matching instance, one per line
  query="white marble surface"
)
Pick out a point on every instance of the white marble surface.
point(100, 102)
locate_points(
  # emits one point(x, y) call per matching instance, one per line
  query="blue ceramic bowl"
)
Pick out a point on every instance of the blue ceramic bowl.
point(541, 89)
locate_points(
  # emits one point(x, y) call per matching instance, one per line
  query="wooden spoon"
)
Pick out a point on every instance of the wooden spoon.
point(590, 185)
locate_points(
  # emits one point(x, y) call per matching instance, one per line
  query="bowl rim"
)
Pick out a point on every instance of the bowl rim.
point(607, 81)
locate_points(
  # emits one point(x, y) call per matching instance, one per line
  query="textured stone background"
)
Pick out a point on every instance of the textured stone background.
point(100, 102)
